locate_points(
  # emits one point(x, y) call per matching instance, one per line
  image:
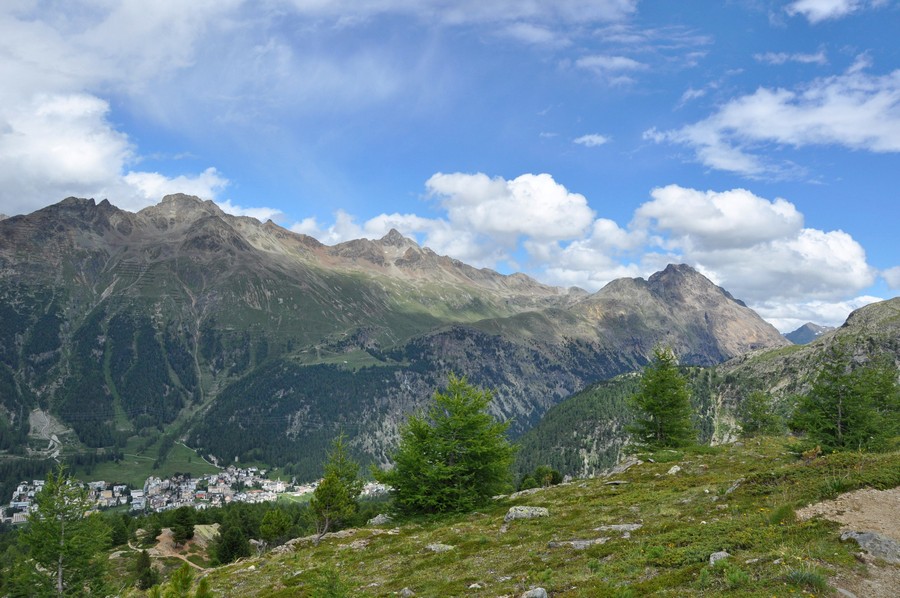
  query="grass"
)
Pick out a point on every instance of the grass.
point(136, 467)
point(685, 517)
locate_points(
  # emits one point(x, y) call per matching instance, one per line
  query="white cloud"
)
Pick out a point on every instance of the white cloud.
point(787, 317)
point(592, 140)
point(535, 34)
point(854, 110)
point(711, 220)
point(471, 11)
point(892, 277)
point(783, 57)
point(613, 69)
point(817, 11)
point(532, 205)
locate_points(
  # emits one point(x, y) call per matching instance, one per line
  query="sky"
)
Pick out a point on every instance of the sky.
point(577, 141)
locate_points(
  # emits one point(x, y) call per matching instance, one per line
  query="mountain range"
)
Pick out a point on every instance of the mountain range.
point(253, 342)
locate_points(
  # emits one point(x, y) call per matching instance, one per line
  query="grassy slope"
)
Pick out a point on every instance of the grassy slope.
point(686, 517)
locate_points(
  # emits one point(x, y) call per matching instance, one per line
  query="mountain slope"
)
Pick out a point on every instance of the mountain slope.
point(584, 434)
point(254, 341)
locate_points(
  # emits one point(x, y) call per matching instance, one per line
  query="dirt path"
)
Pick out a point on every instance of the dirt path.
point(865, 511)
point(165, 545)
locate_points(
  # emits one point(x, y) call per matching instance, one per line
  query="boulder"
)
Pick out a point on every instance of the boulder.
point(520, 512)
point(535, 593)
point(877, 545)
point(380, 519)
point(718, 556)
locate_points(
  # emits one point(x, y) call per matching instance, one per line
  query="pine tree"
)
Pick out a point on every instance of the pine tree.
point(335, 498)
point(231, 543)
point(183, 525)
point(663, 405)
point(454, 457)
point(64, 541)
point(275, 526)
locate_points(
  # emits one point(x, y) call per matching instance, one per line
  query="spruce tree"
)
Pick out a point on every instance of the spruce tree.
point(453, 457)
point(662, 405)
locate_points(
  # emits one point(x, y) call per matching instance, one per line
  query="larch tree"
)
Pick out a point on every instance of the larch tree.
point(64, 540)
point(662, 405)
point(452, 457)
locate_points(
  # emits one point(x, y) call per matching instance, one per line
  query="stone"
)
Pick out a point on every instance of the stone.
point(520, 512)
point(877, 545)
point(624, 466)
point(734, 486)
point(577, 544)
point(535, 593)
point(380, 519)
point(718, 556)
point(439, 548)
point(673, 470)
point(407, 593)
point(475, 586)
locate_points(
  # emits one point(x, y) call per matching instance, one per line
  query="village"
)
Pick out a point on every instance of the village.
point(232, 484)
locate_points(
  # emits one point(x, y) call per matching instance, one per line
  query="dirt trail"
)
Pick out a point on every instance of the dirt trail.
point(865, 511)
point(165, 545)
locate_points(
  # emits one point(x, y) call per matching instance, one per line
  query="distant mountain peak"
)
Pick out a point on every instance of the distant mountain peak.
point(396, 239)
point(807, 333)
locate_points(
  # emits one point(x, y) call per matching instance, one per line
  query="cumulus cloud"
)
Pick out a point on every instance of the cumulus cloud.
point(532, 205)
point(817, 11)
point(711, 220)
point(787, 317)
point(855, 110)
point(592, 140)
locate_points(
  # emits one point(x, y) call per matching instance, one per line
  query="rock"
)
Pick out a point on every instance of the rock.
point(439, 548)
point(535, 593)
point(614, 483)
point(520, 512)
point(734, 486)
point(475, 586)
point(578, 544)
point(380, 519)
point(624, 528)
point(407, 593)
point(624, 466)
point(875, 544)
point(718, 556)
point(525, 492)
point(675, 469)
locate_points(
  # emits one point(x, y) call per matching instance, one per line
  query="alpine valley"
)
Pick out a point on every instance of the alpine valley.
point(248, 341)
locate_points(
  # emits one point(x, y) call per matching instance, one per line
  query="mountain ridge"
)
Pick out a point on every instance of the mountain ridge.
point(182, 315)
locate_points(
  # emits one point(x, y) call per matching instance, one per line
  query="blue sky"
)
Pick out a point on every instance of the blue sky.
point(575, 140)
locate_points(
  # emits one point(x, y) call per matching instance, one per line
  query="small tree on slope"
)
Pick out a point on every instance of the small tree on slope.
point(453, 457)
point(663, 405)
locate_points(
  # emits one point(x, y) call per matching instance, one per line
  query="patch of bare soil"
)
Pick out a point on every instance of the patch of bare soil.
point(165, 545)
point(865, 511)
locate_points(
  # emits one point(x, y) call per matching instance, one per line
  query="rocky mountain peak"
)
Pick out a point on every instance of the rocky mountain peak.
point(395, 239)
point(807, 333)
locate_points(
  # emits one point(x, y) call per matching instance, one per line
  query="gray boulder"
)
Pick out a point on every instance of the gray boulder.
point(520, 512)
point(535, 593)
point(877, 545)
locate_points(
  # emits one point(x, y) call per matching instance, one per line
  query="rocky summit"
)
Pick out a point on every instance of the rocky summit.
point(251, 341)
